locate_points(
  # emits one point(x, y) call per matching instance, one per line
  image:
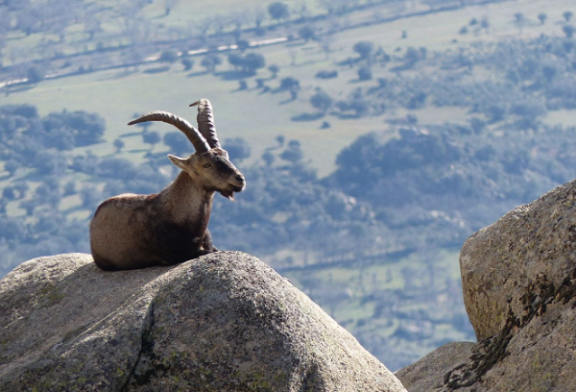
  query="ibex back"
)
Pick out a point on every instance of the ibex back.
point(131, 231)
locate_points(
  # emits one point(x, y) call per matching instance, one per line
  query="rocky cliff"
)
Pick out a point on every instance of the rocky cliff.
point(519, 284)
point(223, 322)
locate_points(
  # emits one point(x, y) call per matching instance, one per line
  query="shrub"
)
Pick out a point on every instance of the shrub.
point(169, 56)
point(364, 49)
point(326, 74)
point(365, 73)
point(35, 74)
point(321, 101)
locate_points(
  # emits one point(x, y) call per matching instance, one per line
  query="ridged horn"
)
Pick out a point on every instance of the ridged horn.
point(205, 120)
point(195, 137)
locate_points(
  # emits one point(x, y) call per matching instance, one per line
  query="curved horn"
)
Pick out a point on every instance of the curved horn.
point(205, 120)
point(191, 133)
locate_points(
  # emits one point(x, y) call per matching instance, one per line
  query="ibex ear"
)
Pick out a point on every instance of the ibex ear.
point(177, 161)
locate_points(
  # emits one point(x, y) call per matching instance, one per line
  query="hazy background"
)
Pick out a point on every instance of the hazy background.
point(375, 135)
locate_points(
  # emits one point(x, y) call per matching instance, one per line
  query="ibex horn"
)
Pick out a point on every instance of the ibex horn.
point(191, 133)
point(205, 120)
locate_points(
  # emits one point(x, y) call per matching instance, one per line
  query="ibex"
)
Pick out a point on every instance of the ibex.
point(131, 231)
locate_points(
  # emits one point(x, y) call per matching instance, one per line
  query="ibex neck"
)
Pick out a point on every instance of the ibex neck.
point(187, 200)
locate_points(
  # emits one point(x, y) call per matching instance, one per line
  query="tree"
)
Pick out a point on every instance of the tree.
point(293, 153)
point(322, 101)
point(278, 11)
point(92, 24)
point(259, 15)
point(326, 44)
point(326, 74)
point(9, 193)
point(151, 138)
point(48, 194)
point(292, 85)
point(307, 33)
point(360, 107)
point(477, 124)
point(412, 56)
point(210, 62)
point(568, 30)
point(49, 162)
point(280, 139)
point(303, 12)
point(365, 73)
point(542, 17)
point(274, 69)
point(69, 188)
point(253, 61)
point(567, 15)
point(243, 44)
point(85, 128)
point(495, 113)
point(236, 60)
point(24, 110)
point(12, 229)
point(529, 110)
point(364, 49)
point(29, 206)
point(90, 197)
point(289, 83)
point(249, 63)
point(168, 56)
point(168, 4)
point(417, 101)
point(187, 63)
point(268, 158)
point(35, 74)
point(237, 148)
point(117, 168)
point(519, 21)
point(118, 145)
point(11, 166)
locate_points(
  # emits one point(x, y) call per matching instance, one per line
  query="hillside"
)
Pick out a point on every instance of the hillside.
point(386, 135)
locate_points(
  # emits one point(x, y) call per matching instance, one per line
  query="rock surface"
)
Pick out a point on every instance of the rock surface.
point(519, 284)
point(223, 322)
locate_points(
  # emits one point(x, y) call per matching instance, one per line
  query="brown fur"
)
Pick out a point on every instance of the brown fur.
point(131, 231)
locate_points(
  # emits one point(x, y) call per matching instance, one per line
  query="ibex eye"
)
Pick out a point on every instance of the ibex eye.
point(207, 165)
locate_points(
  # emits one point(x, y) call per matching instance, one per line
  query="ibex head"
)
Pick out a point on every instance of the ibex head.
point(209, 166)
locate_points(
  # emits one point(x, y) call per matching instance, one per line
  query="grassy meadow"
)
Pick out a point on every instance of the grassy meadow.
point(259, 118)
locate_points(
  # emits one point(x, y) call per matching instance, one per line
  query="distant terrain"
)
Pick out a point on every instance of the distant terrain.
point(375, 135)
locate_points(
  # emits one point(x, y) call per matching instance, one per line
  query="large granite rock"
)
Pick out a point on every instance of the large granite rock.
point(519, 284)
point(223, 322)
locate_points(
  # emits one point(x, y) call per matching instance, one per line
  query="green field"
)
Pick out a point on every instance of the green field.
point(348, 295)
point(259, 118)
